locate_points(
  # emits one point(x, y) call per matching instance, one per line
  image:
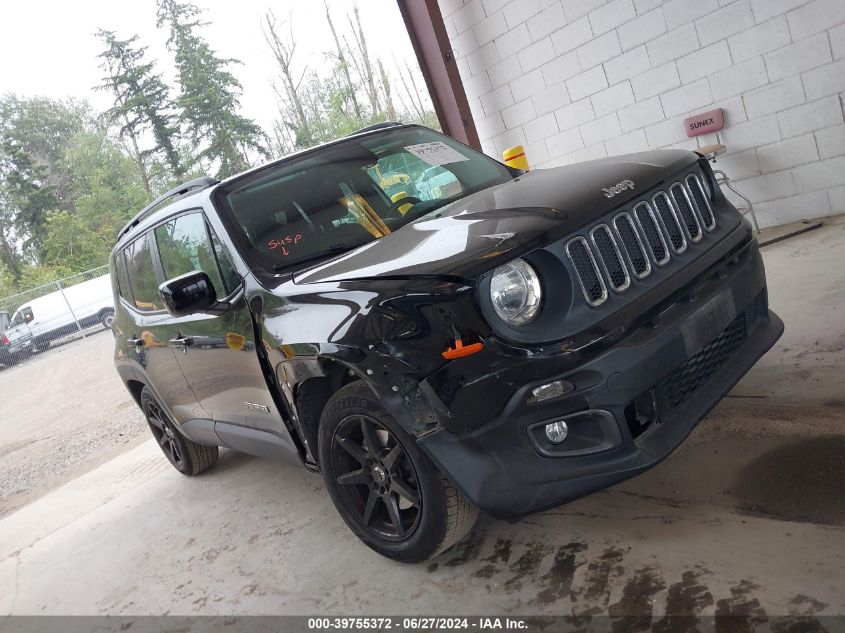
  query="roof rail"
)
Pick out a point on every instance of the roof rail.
point(202, 182)
point(375, 126)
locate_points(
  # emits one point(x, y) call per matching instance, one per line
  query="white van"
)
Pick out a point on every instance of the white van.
point(51, 317)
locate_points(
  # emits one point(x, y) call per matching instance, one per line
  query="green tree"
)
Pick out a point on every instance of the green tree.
point(66, 187)
point(9, 256)
point(210, 94)
point(108, 192)
point(7, 282)
point(142, 102)
point(34, 175)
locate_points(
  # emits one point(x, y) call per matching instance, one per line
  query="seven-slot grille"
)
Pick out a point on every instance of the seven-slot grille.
point(627, 246)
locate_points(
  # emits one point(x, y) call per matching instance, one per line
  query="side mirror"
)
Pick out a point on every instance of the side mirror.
point(191, 293)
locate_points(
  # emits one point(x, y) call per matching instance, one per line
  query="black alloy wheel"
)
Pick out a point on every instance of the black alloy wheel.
point(389, 493)
point(378, 481)
point(188, 457)
point(165, 435)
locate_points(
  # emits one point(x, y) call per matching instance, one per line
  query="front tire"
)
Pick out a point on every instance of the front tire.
point(188, 457)
point(384, 487)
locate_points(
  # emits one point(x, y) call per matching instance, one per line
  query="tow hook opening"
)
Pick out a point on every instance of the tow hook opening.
point(642, 413)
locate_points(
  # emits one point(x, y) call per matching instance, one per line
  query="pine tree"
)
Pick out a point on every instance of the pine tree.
point(142, 101)
point(210, 94)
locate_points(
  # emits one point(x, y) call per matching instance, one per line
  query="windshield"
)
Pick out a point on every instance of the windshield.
point(351, 193)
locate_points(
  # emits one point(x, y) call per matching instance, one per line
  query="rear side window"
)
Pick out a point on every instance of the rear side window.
point(142, 276)
point(184, 245)
point(122, 281)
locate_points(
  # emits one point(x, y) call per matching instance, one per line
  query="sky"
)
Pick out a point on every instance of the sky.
point(49, 49)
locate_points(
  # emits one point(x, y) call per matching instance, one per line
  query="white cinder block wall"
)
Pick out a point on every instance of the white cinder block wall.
point(573, 80)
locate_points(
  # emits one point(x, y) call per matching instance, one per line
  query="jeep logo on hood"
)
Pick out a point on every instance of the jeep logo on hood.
point(609, 192)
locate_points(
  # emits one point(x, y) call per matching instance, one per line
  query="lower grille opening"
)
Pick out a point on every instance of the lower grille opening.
point(676, 388)
point(655, 405)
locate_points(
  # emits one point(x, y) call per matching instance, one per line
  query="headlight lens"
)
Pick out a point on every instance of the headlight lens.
point(515, 292)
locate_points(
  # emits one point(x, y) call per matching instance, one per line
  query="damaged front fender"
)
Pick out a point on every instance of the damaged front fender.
point(389, 333)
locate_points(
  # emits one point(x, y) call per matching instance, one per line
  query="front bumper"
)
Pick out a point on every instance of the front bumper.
point(651, 388)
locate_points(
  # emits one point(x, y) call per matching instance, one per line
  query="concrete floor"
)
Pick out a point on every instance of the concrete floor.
point(748, 517)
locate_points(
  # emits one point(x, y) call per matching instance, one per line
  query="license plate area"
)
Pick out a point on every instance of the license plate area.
point(703, 325)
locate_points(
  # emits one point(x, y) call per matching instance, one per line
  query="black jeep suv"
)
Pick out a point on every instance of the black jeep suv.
point(439, 340)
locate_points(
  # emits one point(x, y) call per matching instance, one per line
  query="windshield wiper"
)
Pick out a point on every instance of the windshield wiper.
point(335, 249)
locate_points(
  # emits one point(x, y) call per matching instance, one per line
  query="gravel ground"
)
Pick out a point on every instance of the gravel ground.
point(45, 439)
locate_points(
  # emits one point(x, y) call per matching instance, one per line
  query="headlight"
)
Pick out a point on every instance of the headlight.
point(515, 292)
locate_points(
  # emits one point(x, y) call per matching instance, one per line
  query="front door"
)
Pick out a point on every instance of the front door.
point(142, 332)
point(217, 353)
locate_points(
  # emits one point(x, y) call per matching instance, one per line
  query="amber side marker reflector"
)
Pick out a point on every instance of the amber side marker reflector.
point(460, 350)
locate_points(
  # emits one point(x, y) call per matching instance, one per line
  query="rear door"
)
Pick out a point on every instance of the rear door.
point(143, 333)
point(217, 353)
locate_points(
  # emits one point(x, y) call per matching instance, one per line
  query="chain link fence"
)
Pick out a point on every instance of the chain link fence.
point(61, 310)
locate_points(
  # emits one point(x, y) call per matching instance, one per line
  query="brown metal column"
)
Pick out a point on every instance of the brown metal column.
point(437, 62)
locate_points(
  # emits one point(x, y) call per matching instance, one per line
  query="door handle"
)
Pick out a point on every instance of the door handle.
point(182, 341)
point(135, 342)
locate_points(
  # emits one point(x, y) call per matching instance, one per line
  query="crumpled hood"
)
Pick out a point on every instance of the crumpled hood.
point(475, 234)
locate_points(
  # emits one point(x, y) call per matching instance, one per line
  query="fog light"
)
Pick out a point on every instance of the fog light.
point(550, 390)
point(557, 432)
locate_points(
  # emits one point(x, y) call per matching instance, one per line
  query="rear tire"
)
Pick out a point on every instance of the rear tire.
point(106, 318)
point(372, 468)
point(188, 457)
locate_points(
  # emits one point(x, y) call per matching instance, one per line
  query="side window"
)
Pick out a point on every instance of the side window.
point(141, 275)
point(184, 246)
point(20, 316)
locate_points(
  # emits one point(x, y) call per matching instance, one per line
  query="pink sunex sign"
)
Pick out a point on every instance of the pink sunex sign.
point(704, 123)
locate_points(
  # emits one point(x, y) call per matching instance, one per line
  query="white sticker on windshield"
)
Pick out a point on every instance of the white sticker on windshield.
point(437, 153)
